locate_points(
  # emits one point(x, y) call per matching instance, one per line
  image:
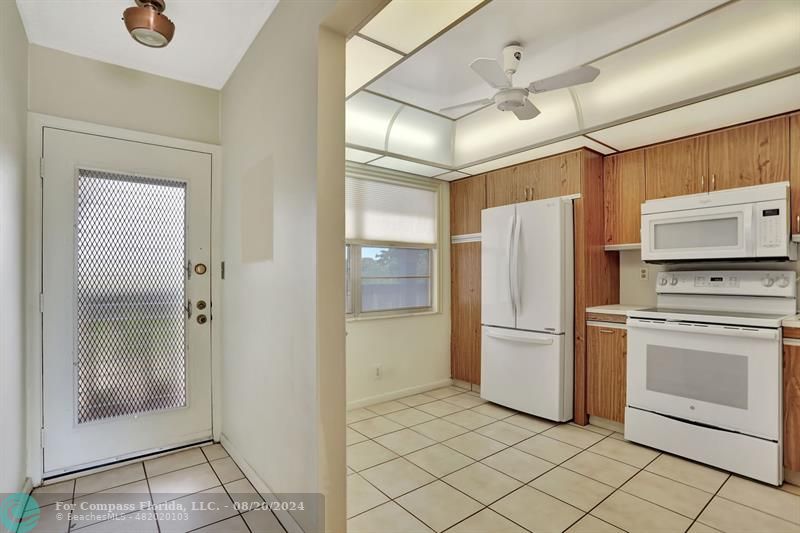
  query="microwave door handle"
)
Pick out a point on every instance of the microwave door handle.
point(726, 331)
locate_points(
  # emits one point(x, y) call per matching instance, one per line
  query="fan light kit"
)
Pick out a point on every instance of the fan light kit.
point(515, 99)
point(148, 25)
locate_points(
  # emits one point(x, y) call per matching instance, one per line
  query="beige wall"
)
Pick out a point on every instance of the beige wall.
point(413, 351)
point(13, 104)
point(330, 275)
point(271, 392)
point(75, 87)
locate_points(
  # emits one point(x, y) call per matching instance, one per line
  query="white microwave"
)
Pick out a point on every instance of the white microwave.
point(745, 223)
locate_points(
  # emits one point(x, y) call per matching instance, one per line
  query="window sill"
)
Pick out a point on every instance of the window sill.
point(368, 318)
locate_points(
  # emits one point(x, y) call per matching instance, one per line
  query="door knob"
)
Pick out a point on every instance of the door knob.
point(201, 304)
point(202, 319)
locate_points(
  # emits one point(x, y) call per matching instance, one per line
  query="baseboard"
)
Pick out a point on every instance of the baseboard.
point(263, 488)
point(372, 400)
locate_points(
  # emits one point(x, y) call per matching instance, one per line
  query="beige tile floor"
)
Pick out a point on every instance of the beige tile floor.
point(195, 478)
point(446, 460)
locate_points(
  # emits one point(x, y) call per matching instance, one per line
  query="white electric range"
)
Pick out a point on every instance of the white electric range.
point(704, 369)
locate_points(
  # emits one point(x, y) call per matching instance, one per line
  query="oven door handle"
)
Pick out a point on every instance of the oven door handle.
point(704, 329)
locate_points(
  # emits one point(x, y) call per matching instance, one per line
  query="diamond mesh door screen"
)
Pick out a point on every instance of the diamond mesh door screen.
point(130, 329)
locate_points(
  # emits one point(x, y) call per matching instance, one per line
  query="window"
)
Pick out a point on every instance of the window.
point(390, 255)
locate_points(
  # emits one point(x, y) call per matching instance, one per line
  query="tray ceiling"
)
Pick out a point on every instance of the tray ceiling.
point(654, 56)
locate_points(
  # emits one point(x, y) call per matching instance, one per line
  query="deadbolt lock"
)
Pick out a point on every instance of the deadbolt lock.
point(202, 319)
point(201, 304)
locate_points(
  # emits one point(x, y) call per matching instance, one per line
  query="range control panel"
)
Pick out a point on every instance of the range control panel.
point(781, 283)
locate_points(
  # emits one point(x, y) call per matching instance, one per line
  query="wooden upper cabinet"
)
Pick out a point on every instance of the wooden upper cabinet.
point(676, 168)
point(791, 407)
point(751, 154)
point(624, 192)
point(606, 352)
point(467, 198)
point(559, 175)
point(501, 187)
point(794, 169)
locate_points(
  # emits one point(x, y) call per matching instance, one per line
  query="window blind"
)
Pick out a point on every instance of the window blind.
point(389, 212)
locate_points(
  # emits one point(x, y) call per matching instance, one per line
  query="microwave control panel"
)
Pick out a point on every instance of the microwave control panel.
point(772, 227)
point(782, 283)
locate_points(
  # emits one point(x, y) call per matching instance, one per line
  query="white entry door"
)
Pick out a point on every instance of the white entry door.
point(126, 284)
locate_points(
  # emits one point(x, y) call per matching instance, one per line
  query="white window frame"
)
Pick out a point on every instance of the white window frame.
point(362, 171)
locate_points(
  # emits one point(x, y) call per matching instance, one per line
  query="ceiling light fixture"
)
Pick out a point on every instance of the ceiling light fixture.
point(148, 25)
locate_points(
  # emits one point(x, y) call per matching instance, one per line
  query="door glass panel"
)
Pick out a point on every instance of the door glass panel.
point(711, 233)
point(130, 237)
point(713, 377)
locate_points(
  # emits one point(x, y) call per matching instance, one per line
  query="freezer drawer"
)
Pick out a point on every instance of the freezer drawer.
point(526, 371)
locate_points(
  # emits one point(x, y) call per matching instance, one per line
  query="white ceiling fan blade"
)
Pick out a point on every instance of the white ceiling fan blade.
point(569, 78)
point(474, 103)
point(526, 112)
point(491, 72)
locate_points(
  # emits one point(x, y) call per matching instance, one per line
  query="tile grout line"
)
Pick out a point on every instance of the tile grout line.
point(507, 446)
point(150, 491)
point(709, 502)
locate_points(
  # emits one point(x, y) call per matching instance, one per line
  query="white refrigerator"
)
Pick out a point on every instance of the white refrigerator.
point(527, 307)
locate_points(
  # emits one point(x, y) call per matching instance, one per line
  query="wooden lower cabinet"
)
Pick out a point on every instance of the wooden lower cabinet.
point(791, 407)
point(606, 351)
point(465, 339)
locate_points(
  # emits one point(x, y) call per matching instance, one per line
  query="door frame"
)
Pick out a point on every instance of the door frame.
point(33, 268)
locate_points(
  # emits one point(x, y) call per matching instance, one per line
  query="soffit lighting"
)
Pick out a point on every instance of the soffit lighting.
point(148, 25)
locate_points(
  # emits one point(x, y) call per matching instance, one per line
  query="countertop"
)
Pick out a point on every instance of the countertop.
point(791, 322)
point(620, 309)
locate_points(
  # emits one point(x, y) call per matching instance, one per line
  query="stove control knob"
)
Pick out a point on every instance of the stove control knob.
point(673, 281)
point(662, 281)
point(767, 281)
point(783, 282)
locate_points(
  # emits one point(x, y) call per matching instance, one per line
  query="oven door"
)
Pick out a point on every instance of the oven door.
point(723, 376)
point(706, 233)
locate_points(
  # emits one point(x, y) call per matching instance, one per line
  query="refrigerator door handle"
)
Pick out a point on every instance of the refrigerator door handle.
point(510, 258)
point(518, 338)
point(517, 242)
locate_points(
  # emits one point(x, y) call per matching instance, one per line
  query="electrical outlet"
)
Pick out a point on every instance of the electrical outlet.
point(644, 274)
point(378, 371)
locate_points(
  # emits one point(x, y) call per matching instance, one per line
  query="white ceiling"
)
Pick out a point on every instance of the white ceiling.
point(210, 36)
point(556, 35)
point(668, 68)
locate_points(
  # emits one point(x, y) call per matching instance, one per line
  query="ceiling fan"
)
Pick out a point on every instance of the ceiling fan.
point(515, 99)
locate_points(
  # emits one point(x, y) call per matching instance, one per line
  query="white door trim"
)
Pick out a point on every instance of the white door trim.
point(33, 268)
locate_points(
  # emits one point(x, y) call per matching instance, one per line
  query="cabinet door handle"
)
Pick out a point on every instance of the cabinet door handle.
point(606, 331)
point(702, 182)
point(713, 182)
point(797, 224)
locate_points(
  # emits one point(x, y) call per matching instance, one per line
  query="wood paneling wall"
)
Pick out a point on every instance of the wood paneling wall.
point(596, 271)
point(791, 407)
point(467, 198)
point(465, 301)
